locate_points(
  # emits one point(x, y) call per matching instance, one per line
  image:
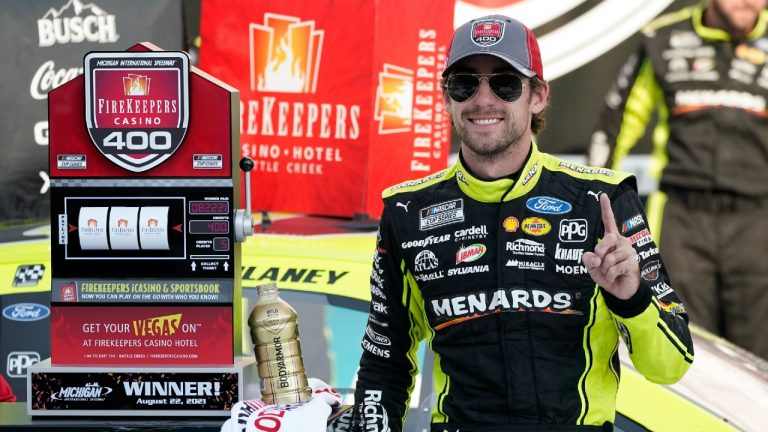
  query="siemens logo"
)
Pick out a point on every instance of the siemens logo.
point(26, 312)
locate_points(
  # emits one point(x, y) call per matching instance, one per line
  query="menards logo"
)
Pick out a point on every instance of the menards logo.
point(470, 253)
point(158, 326)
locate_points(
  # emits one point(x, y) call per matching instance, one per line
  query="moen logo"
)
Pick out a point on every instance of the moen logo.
point(285, 54)
point(394, 100)
point(134, 124)
point(158, 326)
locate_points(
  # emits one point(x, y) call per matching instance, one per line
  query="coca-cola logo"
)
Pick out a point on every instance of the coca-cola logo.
point(48, 78)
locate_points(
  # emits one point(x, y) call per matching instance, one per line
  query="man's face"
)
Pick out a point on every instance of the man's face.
point(486, 125)
point(739, 15)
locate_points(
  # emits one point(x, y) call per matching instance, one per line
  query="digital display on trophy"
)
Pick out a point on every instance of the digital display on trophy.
point(209, 227)
point(209, 207)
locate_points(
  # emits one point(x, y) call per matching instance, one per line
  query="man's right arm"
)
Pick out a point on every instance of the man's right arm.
point(388, 366)
point(628, 108)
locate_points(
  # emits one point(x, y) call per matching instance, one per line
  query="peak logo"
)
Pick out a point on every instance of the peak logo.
point(285, 54)
point(394, 100)
point(84, 23)
point(158, 326)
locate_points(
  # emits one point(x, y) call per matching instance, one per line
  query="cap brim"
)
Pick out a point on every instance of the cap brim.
point(512, 62)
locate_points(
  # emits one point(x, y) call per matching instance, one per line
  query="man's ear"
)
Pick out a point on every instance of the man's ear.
point(539, 97)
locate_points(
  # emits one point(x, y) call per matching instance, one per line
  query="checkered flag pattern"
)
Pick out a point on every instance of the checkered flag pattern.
point(28, 275)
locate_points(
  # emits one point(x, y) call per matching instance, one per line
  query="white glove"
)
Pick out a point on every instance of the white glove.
point(312, 416)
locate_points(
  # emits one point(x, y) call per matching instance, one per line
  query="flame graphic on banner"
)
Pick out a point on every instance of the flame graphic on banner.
point(285, 54)
point(394, 100)
point(136, 85)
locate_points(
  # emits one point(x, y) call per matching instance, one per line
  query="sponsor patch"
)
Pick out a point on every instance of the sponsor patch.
point(425, 260)
point(28, 275)
point(525, 247)
point(548, 205)
point(573, 230)
point(26, 312)
point(650, 271)
point(511, 224)
point(632, 223)
point(641, 238)
point(536, 226)
point(526, 265)
point(487, 32)
point(67, 161)
point(441, 214)
point(470, 253)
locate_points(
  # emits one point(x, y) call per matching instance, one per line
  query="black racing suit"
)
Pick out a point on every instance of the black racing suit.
point(490, 274)
point(710, 156)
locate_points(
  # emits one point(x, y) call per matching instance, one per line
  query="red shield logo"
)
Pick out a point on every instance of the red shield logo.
point(487, 32)
point(137, 105)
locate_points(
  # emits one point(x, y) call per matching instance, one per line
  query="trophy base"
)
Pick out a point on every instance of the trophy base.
point(156, 391)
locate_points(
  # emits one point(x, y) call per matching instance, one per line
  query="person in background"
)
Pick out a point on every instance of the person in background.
point(521, 270)
point(6, 393)
point(703, 71)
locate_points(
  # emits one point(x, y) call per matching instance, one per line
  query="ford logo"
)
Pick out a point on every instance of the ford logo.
point(548, 205)
point(26, 312)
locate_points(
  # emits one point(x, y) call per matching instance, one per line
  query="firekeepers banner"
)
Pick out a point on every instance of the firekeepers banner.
point(338, 99)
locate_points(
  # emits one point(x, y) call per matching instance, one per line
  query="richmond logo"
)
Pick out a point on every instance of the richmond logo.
point(285, 54)
point(394, 100)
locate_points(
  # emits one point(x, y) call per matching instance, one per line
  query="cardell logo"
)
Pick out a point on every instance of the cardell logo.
point(26, 312)
point(548, 205)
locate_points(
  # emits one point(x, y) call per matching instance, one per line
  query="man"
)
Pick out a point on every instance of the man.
point(520, 269)
point(703, 70)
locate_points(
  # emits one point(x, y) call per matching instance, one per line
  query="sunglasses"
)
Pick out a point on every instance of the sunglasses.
point(506, 86)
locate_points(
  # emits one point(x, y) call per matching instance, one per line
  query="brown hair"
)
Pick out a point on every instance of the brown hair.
point(538, 122)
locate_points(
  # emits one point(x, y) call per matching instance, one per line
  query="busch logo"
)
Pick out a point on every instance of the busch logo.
point(573, 230)
point(19, 362)
point(88, 23)
point(137, 105)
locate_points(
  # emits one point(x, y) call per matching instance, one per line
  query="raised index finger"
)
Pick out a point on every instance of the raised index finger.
point(609, 221)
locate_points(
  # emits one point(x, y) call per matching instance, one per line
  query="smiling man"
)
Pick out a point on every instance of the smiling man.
point(521, 270)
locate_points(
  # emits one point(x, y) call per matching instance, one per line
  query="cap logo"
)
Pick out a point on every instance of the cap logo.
point(487, 32)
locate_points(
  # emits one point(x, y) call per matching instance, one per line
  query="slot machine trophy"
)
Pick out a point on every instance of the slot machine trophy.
point(145, 253)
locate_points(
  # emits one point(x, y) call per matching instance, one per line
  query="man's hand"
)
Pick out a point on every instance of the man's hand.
point(613, 265)
point(312, 416)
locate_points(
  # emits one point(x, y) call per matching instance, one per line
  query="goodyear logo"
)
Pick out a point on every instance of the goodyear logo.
point(536, 226)
point(158, 326)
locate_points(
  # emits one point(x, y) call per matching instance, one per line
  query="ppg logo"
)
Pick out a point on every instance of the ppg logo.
point(19, 362)
point(573, 230)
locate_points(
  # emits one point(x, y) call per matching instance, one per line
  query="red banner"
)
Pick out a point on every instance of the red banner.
point(141, 335)
point(338, 101)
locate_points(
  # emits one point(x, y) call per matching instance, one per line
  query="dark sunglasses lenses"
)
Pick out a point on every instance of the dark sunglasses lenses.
point(506, 87)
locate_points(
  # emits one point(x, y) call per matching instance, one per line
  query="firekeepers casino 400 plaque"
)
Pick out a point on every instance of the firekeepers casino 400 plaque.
point(137, 106)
